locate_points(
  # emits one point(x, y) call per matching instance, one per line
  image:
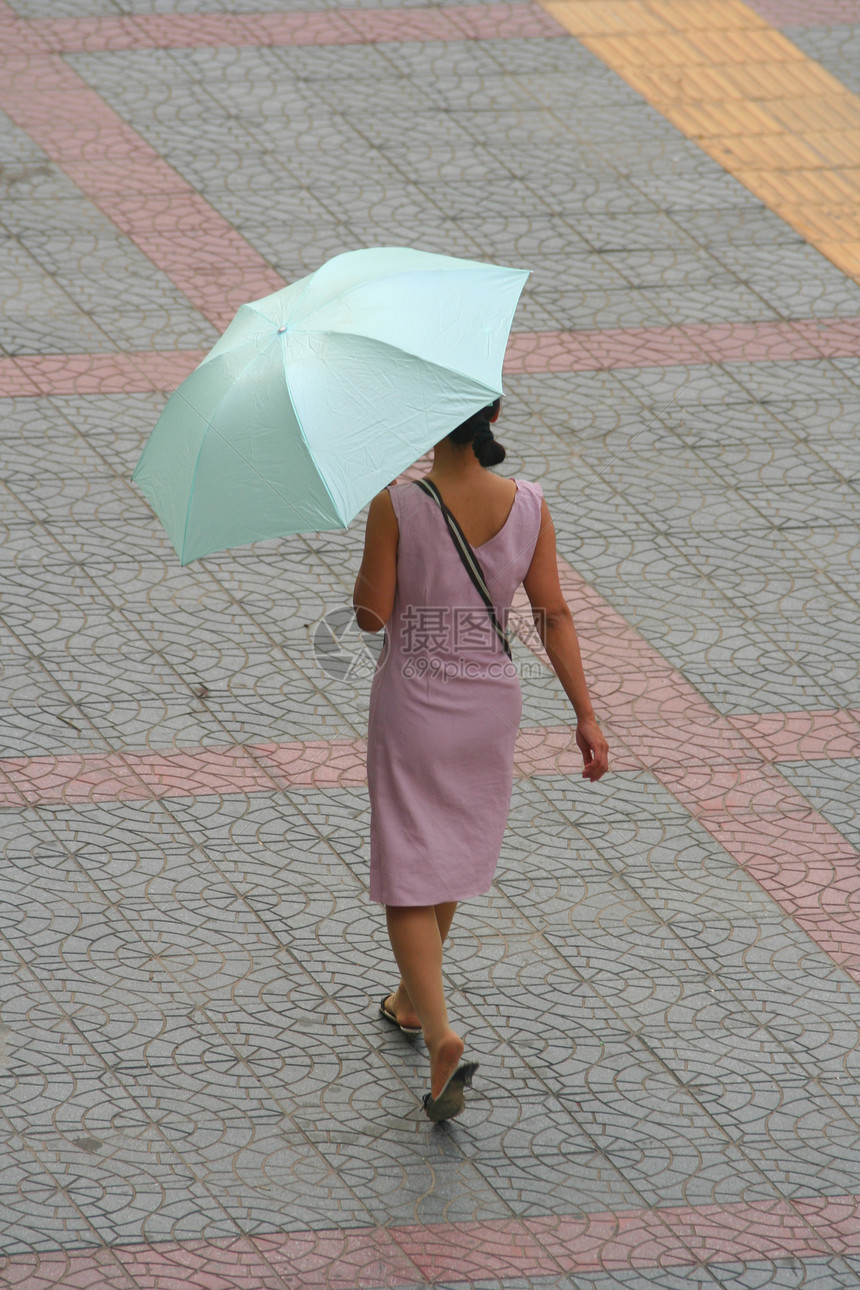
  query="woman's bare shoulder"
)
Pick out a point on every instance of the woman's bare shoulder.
point(499, 485)
point(382, 508)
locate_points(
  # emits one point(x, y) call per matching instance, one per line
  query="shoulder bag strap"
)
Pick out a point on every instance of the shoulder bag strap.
point(470, 560)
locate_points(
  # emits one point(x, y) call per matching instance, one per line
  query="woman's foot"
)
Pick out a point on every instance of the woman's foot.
point(451, 1102)
point(399, 1005)
point(444, 1059)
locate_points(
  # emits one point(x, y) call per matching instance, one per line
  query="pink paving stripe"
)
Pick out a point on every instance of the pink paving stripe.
point(683, 1236)
point(756, 342)
point(802, 736)
point(770, 829)
point(329, 27)
point(193, 772)
point(120, 373)
point(699, 741)
point(200, 252)
point(250, 768)
point(821, 891)
point(584, 351)
point(712, 766)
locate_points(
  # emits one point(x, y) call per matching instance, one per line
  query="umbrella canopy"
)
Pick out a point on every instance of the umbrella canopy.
point(318, 395)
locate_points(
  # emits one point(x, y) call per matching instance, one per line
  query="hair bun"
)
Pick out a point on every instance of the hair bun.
point(478, 431)
point(487, 449)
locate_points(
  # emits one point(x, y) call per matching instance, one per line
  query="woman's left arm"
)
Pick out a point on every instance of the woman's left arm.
point(373, 597)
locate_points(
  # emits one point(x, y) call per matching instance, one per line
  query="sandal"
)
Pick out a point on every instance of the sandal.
point(451, 1101)
point(391, 1016)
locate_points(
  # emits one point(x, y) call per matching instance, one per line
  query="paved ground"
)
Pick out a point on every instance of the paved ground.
point(663, 989)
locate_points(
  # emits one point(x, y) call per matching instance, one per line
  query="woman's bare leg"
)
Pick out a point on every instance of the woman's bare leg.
point(445, 916)
point(416, 940)
point(400, 1002)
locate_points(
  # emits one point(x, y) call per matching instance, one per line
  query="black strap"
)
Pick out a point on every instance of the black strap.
point(471, 562)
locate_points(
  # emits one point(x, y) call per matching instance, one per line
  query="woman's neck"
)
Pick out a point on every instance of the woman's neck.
point(454, 460)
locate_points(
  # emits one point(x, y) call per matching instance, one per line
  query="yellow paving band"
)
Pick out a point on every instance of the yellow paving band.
point(769, 114)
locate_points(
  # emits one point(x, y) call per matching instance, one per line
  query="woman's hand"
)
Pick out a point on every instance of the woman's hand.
point(558, 634)
point(594, 749)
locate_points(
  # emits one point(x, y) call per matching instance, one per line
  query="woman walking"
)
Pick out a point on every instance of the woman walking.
point(445, 707)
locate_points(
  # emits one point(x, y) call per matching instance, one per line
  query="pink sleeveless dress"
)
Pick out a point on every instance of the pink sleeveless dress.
point(445, 707)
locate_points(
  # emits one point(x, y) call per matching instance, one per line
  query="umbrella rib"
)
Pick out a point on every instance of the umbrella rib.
point(384, 344)
point(397, 349)
point(400, 273)
point(323, 481)
point(211, 429)
point(308, 283)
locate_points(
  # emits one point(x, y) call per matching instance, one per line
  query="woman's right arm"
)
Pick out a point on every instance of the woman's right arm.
point(554, 623)
point(373, 597)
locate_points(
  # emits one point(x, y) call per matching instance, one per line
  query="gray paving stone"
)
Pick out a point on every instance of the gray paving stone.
point(783, 382)
point(33, 179)
point(48, 323)
point(832, 789)
point(41, 1216)
point(835, 47)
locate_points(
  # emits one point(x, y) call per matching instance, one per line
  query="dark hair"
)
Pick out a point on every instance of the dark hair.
point(479, 433)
